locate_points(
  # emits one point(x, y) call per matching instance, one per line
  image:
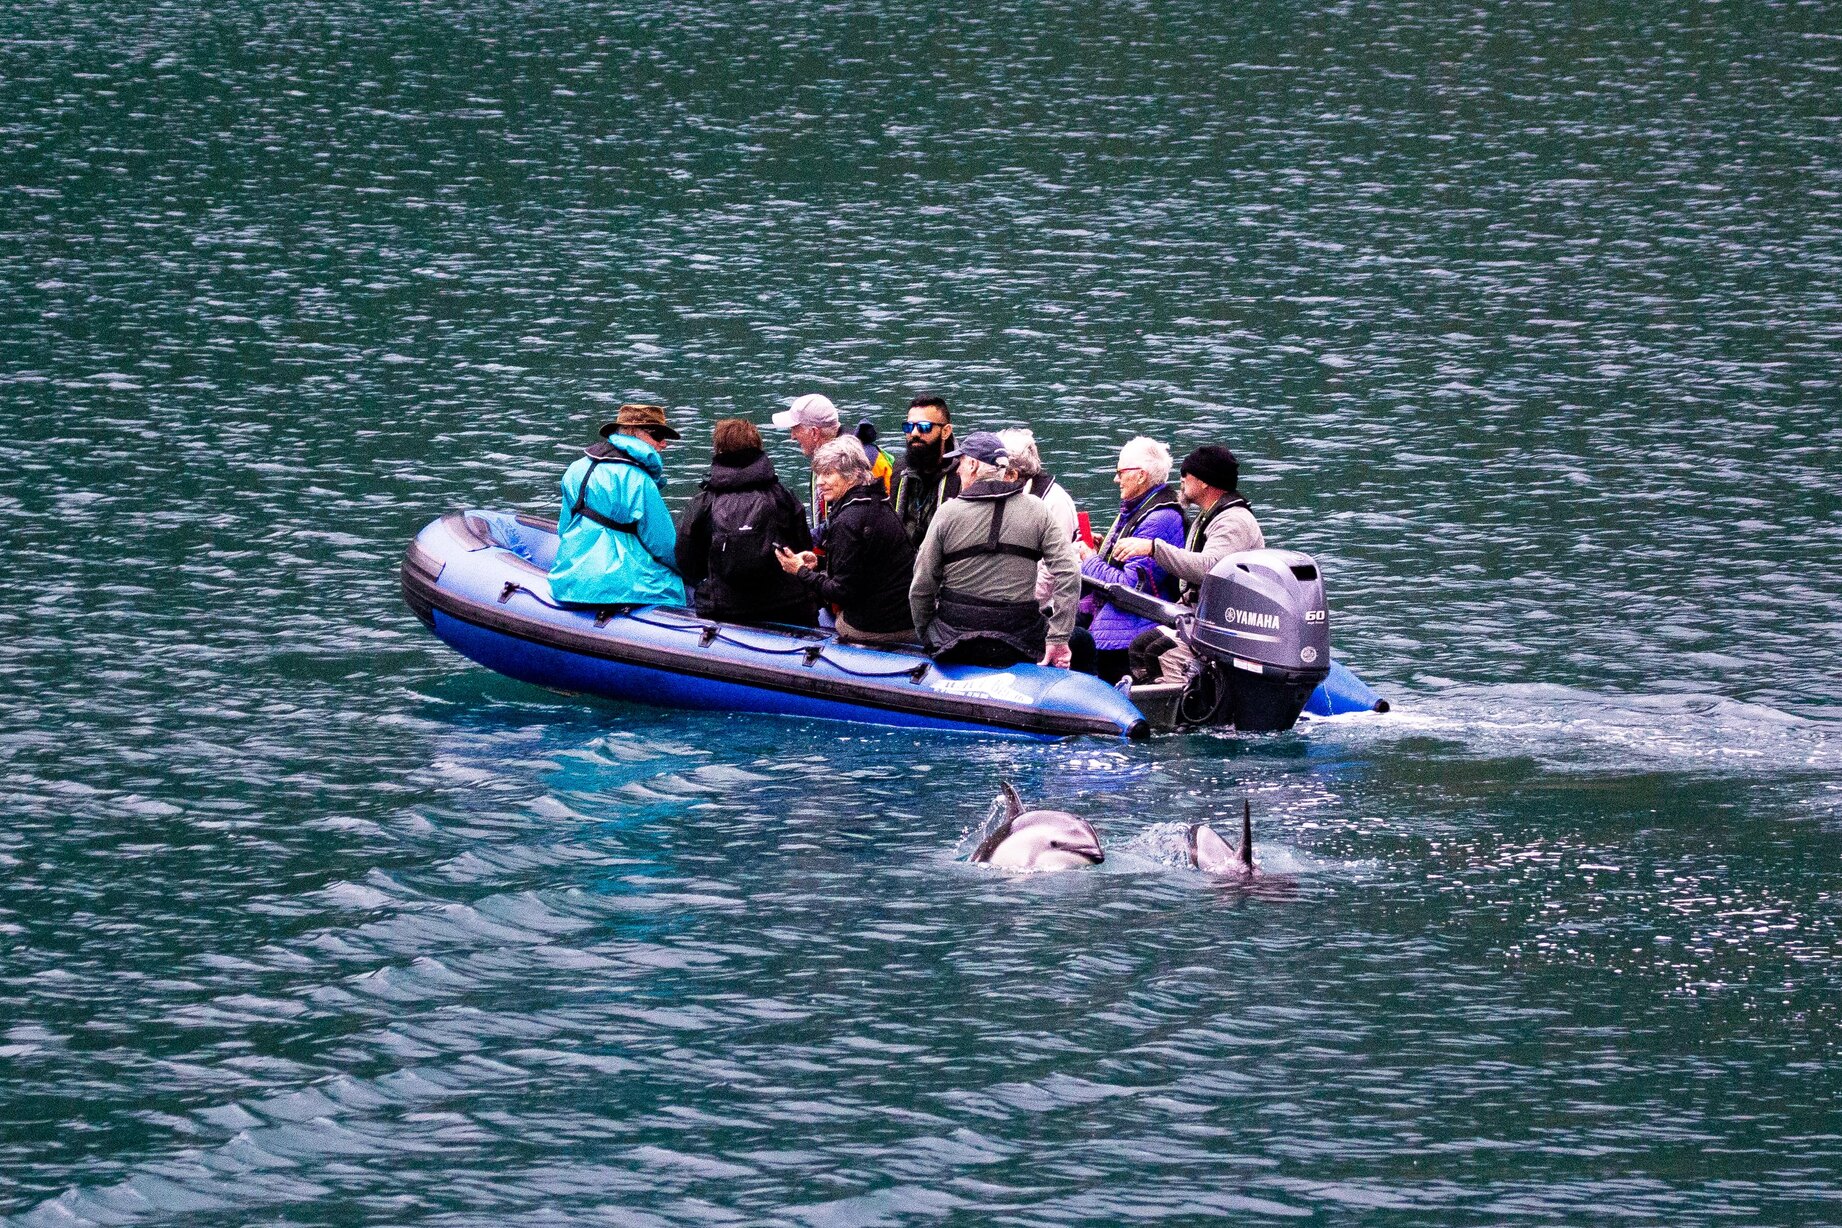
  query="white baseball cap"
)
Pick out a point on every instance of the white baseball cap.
point(813, 409)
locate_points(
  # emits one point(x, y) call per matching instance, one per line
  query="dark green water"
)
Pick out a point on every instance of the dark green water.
point(1525, 320)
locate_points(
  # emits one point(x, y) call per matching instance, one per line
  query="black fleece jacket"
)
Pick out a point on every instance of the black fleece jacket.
point(868, 562)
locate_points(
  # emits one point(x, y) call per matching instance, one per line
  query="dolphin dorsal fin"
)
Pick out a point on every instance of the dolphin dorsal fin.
point(1000, 829)
point(1247, 834)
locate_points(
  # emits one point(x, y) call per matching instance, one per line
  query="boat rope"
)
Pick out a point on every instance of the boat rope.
point(512, 586)
point(710, 633)
point(914, 673)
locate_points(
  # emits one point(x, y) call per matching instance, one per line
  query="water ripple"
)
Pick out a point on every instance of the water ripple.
point(1525, 327)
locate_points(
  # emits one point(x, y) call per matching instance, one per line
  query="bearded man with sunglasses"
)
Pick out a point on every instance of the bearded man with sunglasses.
point(927, 478)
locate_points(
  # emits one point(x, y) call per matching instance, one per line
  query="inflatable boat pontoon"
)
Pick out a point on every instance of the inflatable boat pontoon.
point(479, 581)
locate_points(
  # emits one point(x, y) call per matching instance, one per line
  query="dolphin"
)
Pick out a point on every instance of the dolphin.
point(1038, 839)
point(1211, 854)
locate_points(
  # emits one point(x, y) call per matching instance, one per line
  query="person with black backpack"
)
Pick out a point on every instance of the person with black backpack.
point(728, 534)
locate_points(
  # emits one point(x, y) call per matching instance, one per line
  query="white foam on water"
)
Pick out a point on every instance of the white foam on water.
point(1574, 729)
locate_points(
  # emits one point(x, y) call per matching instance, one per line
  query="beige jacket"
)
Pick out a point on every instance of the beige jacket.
point(1229, 533)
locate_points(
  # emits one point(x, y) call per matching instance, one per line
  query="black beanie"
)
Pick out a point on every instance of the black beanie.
point(1215, 465)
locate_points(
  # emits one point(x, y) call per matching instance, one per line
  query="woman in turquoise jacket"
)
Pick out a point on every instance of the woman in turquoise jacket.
point(616, 544)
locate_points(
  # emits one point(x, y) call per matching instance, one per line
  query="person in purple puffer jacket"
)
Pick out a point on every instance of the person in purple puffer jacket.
point(1148, 508)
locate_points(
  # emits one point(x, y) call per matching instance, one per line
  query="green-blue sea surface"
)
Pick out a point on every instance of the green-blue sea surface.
point(1525, 318)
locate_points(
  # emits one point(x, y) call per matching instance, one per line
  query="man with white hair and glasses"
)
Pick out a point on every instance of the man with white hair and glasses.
point(1148, 509)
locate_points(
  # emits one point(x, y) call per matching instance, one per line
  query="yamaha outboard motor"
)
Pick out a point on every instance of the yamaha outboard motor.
point(1262, 637)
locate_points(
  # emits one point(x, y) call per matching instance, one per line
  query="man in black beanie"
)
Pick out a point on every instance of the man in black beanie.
point(1225, 526)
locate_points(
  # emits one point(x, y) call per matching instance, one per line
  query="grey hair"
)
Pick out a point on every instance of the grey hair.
point(843, 457)
point(1144, 452)
point(1020, 442)
point(982, 471)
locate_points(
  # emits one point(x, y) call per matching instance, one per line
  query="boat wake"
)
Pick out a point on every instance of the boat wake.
point(1571, 729)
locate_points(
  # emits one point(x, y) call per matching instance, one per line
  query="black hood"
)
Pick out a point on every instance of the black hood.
point(868, 490)
point(749, 469)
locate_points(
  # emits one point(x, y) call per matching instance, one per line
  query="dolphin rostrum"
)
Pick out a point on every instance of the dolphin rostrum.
point(1038, 839)
point(1211, 854)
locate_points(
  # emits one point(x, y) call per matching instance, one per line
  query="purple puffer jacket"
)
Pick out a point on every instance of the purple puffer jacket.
point(1113, 628)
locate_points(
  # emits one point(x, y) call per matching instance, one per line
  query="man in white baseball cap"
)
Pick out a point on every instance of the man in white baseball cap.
point(813, 421)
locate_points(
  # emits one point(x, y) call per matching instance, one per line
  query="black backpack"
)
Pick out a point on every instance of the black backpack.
point(745, 526)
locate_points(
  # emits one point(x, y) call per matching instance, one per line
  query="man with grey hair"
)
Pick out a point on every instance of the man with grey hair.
point(1027, 463)
point(974, 591)
point(867, 558)
point(813, 422)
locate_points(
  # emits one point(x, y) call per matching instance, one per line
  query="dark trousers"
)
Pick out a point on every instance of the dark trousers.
point(989, 653)
point(1112, 663)
point(1147, 653)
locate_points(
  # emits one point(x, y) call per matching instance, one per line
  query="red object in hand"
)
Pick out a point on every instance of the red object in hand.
point(1085, 530)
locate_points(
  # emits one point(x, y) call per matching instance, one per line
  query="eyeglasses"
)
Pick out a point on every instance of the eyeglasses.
point(920, 428)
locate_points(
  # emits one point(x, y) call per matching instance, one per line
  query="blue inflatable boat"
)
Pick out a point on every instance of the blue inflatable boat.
point(478, 580)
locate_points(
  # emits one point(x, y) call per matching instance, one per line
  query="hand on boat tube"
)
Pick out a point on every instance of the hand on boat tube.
point(1058, 656)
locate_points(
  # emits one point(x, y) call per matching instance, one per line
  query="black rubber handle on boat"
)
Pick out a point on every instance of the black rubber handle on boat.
point(1164, 613)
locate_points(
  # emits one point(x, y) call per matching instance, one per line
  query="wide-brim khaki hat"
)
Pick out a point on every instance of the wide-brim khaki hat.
point(634, 414)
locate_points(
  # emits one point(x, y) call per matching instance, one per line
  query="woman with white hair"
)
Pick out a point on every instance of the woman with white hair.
point(1148, 508)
